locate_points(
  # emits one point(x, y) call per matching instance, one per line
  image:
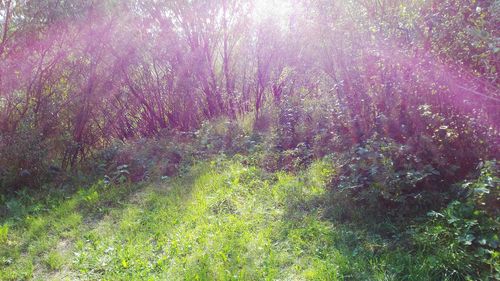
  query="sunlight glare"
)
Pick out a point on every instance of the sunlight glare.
point(279, 10)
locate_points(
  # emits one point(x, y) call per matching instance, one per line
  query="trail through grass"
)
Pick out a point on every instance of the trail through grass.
point(222, 220)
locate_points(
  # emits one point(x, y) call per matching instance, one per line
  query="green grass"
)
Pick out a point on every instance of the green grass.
point(221, 220)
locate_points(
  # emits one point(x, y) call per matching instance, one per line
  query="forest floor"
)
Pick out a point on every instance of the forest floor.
point(219, 220)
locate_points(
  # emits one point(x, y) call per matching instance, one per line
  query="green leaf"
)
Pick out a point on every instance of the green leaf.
point(481, 190)
point(435, 214)
point(467, 239)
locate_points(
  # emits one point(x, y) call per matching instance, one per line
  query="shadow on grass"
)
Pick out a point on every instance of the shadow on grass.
point(374, 247)
point(39, 231)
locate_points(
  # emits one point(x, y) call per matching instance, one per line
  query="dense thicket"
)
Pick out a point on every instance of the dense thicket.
point(403, 95)
point(76, 75)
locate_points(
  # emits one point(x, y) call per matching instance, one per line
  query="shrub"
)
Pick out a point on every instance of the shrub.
point(388, 181)
point(468, 229)
point(223, 136)
point(23, 160)
point(144, 159)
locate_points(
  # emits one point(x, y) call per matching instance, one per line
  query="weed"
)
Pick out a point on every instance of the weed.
point(54, 260)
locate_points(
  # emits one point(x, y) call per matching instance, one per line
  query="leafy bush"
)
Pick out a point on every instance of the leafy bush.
point(23, 160)
point(468, 229)
point(144, 159)
point(387, 180)
point(223, 136)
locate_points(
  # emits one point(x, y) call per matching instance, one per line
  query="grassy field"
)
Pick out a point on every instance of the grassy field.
point(220, 220)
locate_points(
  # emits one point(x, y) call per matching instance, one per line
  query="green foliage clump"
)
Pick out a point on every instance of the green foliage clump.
point(224, 136)
point(467, 229)
point(388, 180)
point(144, 159)
point(54, 260)
point(24, 160)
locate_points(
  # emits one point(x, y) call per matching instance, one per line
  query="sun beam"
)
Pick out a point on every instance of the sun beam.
point(279, 10)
